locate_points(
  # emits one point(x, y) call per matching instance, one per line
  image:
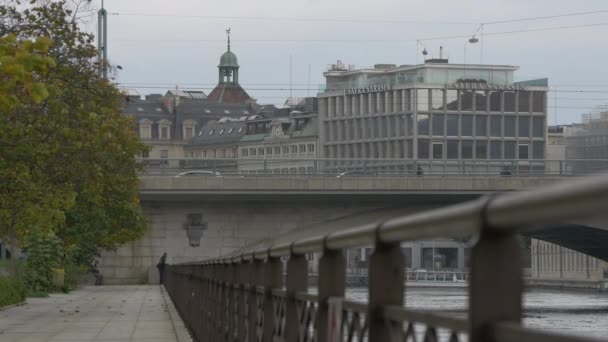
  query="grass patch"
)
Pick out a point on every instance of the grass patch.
point(12, 291)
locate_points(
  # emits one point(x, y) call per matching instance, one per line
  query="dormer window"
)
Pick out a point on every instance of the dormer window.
point(201, 132)
point(207, 111)
point(230, 130)
point(139, 109)
point(211, 132)
point(226, 111)
point(221, 132)
point(240, 129)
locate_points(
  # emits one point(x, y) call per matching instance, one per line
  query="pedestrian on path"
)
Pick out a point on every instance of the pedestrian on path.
point(161, 268)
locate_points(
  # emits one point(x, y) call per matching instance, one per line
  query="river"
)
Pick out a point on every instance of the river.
point(582, 313)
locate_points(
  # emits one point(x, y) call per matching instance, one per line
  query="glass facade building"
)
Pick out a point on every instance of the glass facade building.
point(433, 111)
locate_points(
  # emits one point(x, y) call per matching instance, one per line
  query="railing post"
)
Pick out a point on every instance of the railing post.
point(386, 286)
point(273, 279)
point(496, 286)
point(331, 282)
point(255, 268)
point(297, 281)
point(242, 302)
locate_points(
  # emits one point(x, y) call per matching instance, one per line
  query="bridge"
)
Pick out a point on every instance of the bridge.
point(245, 297)
point(212, 214)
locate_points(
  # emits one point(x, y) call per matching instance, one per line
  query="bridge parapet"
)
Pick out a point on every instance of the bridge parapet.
point(327, 184)
point(244, 297)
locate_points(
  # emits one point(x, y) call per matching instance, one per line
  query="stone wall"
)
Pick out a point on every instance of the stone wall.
point(229, 226)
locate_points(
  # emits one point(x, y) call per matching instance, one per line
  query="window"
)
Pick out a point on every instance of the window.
point(409, 123)
point(230, 130)
point(285, 149)
point(509, 149)
point(260, 151)
point(226, 111)
point(145, 154)
point(452, 125)
point(495, 101)
point(495, 126)
point(481, 101)
point(423, 149)
point(466, 100)
point(302, 148)
point(423, 124)
point(524, 127)
point(164, 154)
point(437, 99)
point(269, 150)
point(294, 149)
point(538, 127)
point(423, 100)
point(509, 101)
point(201, 132)
point(495, 149)
point(509, 126)
point(524, 102)
point(481, 149)
point(207, 111)
point(211, 132)
point(538, 101)
point(466, 125)
point(523, 151)
point(252, 151)
point(437, 150)
point(240, 129)
point(221, 131)
point(145, 129)
point(311, 148)
point(538, 150)
point(467, 149)
point(277, 150)
point(438, 124)
point(481, 126)
point(452, 99)
point(164, 132)
point(452, 149)
point(189, 132)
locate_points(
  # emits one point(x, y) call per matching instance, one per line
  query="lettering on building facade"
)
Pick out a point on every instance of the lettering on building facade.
point(371, 89)
point(485, 86)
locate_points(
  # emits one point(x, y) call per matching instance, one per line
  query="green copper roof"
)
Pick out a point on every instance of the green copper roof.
point(228, 59)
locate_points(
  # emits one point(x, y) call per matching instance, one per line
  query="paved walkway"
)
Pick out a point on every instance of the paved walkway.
point(93, 313)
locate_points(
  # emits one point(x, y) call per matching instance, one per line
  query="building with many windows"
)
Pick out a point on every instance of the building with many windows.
point(432, 111)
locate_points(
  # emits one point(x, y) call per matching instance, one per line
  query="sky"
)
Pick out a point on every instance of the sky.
point(164, 44)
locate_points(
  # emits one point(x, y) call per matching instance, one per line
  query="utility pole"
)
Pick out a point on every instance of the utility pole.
point(102, 41)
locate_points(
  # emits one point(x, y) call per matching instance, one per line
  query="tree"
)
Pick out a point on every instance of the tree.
point(69, 157)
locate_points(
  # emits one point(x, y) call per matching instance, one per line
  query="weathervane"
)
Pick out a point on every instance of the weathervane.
point(228, 32)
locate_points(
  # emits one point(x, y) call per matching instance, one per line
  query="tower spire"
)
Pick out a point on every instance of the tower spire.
point(228, 32)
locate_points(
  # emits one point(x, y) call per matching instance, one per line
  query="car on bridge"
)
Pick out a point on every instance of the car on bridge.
point(199, 173)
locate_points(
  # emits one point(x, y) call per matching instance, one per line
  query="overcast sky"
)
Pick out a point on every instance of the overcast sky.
point(161, 44)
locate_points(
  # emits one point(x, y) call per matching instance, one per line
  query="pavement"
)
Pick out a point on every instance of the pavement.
point(135, 313)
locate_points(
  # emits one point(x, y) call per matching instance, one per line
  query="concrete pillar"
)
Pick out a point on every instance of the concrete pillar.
point(353, 105)
point(388, 102)
point(330, 107)
point(416, 255)
point(362, 104)
point(370, 103)
point(461, 264)
point(396, 103)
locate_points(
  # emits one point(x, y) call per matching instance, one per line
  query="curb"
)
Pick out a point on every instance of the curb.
point(181, 332)
point(6, 307)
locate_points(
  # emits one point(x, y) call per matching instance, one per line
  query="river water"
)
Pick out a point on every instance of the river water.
point(581, 313)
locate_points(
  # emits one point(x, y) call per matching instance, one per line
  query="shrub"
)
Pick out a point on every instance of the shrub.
point(44, 252)
point(12, 291)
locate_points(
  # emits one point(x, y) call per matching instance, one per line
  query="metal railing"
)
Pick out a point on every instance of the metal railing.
point(244, 297)
point(373, 167)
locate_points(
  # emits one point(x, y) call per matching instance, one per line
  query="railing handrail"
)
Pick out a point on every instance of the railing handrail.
point(554, 203)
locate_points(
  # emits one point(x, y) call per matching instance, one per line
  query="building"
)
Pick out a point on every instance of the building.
point(286, 145)
point(166, 122)
point(554, 262)
point(590, 138)
point(432, 111)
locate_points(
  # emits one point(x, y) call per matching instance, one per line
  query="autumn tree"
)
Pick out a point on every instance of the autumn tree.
point(67, 154)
